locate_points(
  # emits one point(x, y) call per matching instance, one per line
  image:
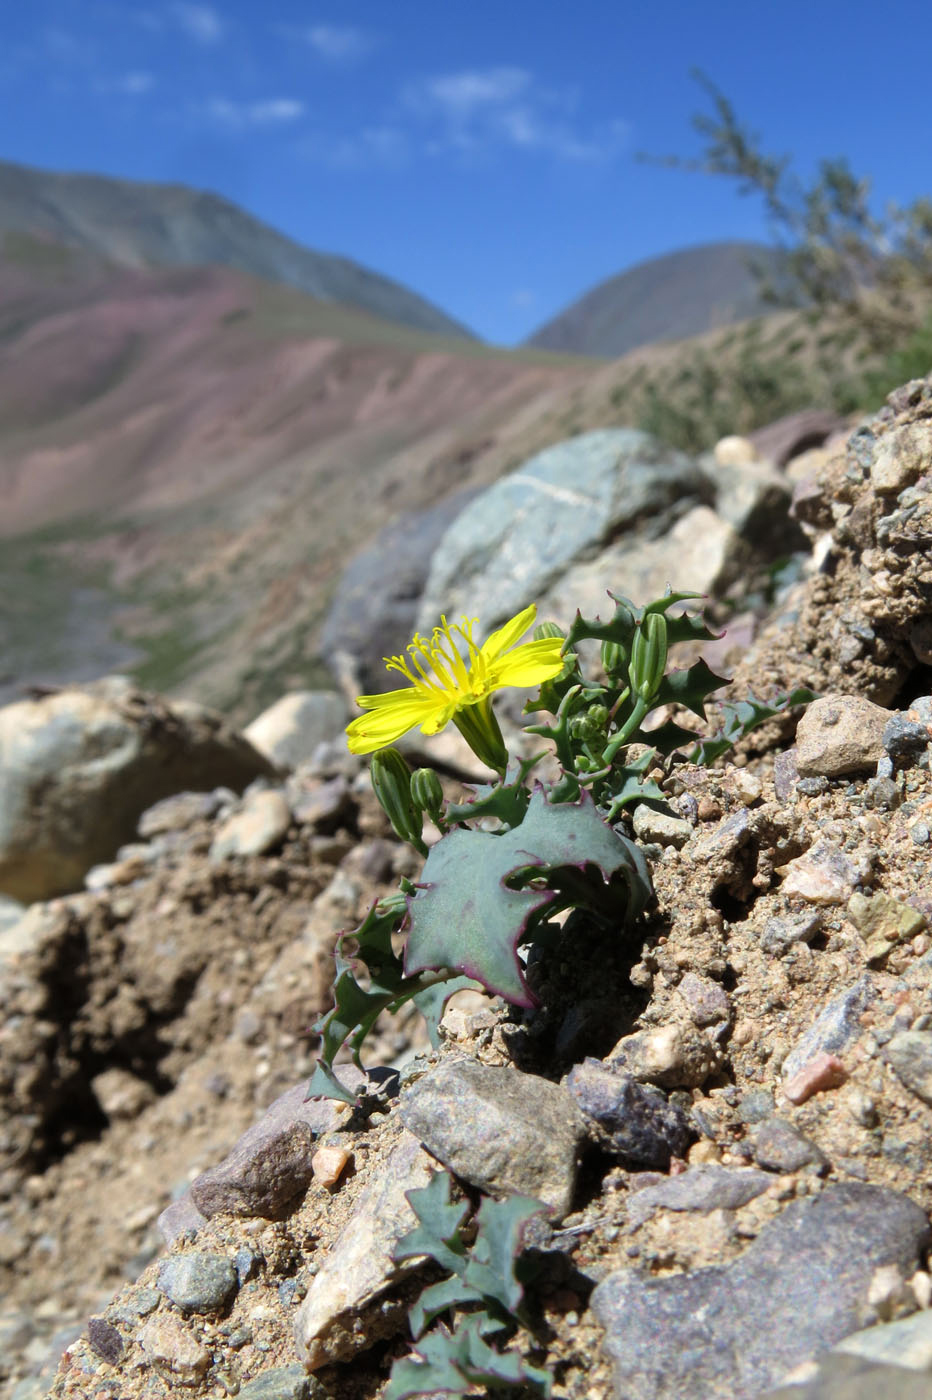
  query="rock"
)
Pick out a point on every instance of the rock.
point(902, 456)
point(120, 1094)
point(272, 1162)
point(734, 451)
point(779, 934)
point(635, 1122)
point(905, 739)
point(779, 442)
point(171, 1347)
point(779, 1147)
point(706, 1187)
point(754, 499)
point(836, 1027)
point(289, 731)
point(182, 1217)
point(374, 608)
point(840, 1377)
point(675, 1056)
point(79, 767)
point(498, 1129)
point(822, 1072)
point(824, 875)
point(197, 1282)
point(258, 828)
point(884, 918)
point(727, 1331)
point(105, 1340)
point(910, 1055)
point(706, 1001)
point(840, 734)
point(660, 827)
point(700, 548)
point(521, 534)
point(335, 1320)
point(181, 810)
point(326, 806)
point(280, 1383)
point(905, 1342)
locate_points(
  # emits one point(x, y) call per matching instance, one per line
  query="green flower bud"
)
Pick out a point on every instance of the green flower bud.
point(649, 655)
point(426, 791)
point(543, 630)
point(614, 658)
point(590, 725)
point(391, 783)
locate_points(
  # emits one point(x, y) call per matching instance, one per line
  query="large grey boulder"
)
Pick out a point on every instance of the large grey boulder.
point(374, 609)
point(79, 767)
point(517, 538)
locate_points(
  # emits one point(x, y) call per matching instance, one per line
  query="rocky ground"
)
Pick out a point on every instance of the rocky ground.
point(728, 1111)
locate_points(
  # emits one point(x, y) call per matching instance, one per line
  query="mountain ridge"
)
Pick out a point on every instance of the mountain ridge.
point(142, 224)
point(670, 297)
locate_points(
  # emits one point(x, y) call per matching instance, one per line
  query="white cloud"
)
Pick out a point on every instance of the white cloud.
point(336, 43)
point(479, 109)
point(199, 22)
point(271, 111)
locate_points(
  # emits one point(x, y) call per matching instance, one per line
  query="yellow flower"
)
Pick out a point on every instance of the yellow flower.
point(447, 685)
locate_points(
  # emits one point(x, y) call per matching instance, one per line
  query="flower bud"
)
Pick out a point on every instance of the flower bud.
point(649, 655)
point(391, 783)
point(614, 658)
point(591, 724)
point(426, 791)
point(543, 630)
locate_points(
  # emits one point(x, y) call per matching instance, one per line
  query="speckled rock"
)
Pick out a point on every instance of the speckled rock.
point(173, 1349)
point(901, 457)
point(706, 1187)
point(823, 875)
point(197, 1282)
point(836, 1026)
point(910, 1055)
point(279, 1383)
point(725, 1332)
point(634, 1121)
point(335, 1320)
point(498, 1129)
point(677, 1056)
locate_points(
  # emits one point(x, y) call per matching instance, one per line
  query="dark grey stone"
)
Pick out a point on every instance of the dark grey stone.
point(778, 934)
point(498, 1129)
point(729, 1332)
point(837, 1025)
point(202, 1283)
point(904, 740)
point(105, 1340)
point(755, 1106)
point(706, 1187)
point(634, 1121)
point(281, 1383)
point(779, 1147)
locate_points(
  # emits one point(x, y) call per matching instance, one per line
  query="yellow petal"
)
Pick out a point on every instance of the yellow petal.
point(507, 635)
point(387, 722)
point(529, 664)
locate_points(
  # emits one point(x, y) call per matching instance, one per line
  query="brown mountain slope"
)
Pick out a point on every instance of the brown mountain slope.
point(188, 456)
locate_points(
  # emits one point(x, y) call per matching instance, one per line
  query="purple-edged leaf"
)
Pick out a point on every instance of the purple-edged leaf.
point(466, 916)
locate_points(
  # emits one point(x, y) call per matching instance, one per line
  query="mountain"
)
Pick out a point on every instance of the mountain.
point(668, 298)
point(189, 457)
point(131, 224)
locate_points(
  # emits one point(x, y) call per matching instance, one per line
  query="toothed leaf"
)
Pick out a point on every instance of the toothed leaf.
point(690, 688)
point(466, 916)
point(449, 1363)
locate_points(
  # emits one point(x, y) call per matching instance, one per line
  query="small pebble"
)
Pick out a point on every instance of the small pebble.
point(822, 1072)
point(328, 1164)
point(197, 1282)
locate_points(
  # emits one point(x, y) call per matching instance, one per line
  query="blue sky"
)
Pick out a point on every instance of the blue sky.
point(482, 153)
